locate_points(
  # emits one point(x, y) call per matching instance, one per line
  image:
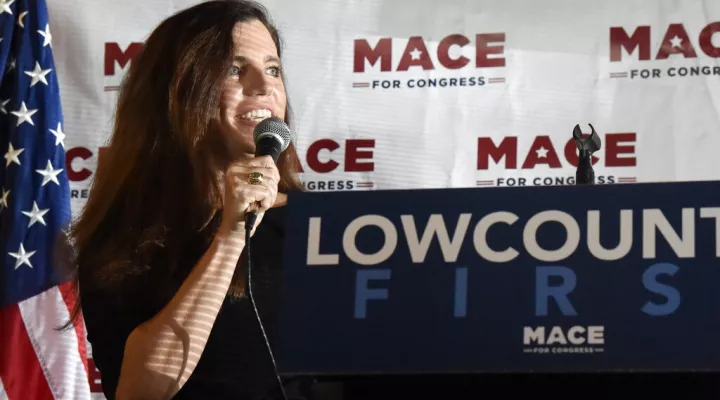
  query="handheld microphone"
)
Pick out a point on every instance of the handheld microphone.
point(272, 136)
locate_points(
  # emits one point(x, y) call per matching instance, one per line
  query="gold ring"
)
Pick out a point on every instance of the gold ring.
point(255, 178)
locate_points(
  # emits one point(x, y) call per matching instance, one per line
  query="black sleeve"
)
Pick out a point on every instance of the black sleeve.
point(108, 325)
point(112, 313)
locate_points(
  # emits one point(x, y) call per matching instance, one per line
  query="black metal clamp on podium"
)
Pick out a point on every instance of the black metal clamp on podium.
point(585, 175)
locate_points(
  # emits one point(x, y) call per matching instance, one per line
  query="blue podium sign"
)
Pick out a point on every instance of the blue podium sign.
point(546, 279)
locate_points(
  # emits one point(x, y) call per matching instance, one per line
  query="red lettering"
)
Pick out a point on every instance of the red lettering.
point(94, 377)
point(571, 152)
point(382, 52)
point(706, 37)
point(357, 156)
point(313, 161)
point(619, 40)
point(619, 151)
point(444, 52)
point(482, 50)
point(676, 41)
point(416, 54)
point(541, 152)
point(507, 150)
point(353, 155)
point(114, 54)
point(613, 150)
point(70, 156)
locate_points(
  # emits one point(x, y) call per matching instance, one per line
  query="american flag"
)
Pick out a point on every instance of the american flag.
point(37, 361)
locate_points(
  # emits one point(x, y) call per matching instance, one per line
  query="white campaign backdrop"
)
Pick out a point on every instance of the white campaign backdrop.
point(557, 72)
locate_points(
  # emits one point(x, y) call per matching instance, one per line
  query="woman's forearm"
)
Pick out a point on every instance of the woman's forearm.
point(161, 354)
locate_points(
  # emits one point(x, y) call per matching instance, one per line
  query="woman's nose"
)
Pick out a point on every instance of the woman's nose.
point(257, 83)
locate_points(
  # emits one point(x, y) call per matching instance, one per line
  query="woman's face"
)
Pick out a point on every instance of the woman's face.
point(253, 88)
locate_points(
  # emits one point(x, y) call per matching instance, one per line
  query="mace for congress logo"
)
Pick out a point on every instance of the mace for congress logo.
point(416, 63)
point(546, 161)
point(683, 51)
point(334, 164)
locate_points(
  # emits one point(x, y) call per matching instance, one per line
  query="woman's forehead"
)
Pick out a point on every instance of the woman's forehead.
point(252, 39)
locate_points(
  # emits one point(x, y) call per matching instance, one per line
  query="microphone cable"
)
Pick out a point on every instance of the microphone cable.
point(250, 219)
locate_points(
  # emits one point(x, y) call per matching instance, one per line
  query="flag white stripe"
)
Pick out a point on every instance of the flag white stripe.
point(3, 394)
point(57, 351)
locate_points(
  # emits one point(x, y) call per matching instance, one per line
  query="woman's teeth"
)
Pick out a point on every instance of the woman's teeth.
point(257, 115)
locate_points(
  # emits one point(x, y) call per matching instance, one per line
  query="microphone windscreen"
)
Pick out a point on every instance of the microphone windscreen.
point(273, 127)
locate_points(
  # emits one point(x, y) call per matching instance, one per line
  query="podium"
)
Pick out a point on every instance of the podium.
point(460, 284)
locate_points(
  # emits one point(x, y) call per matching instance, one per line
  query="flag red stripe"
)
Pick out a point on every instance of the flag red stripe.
point(68, 296)
point(20, 370)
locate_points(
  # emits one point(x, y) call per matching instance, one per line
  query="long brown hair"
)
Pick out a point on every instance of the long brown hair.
point(158, 184)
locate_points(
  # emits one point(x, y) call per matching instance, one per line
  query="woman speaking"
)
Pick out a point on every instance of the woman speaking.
point(159, 246)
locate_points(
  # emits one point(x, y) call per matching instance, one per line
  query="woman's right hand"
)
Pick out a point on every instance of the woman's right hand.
point(241, 196)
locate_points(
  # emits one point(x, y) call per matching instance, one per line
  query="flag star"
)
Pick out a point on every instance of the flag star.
point(46, 34)
point(541, 152)
point(20, 19)
point(415, 54)
point(22, 257)
point(24, 114)
point(4, 199)
point(5, 6)
point(36, 215)
point(38, 74)
point(3, 103)
point(59, 135)
point(10, 66)
point(49, 174)
point(12, 155)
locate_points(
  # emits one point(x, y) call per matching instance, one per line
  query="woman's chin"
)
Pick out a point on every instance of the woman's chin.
point(240, 143)
point(241, 153)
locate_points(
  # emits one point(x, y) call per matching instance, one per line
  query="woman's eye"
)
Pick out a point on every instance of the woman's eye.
point(234, 70)
point(275, 71)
